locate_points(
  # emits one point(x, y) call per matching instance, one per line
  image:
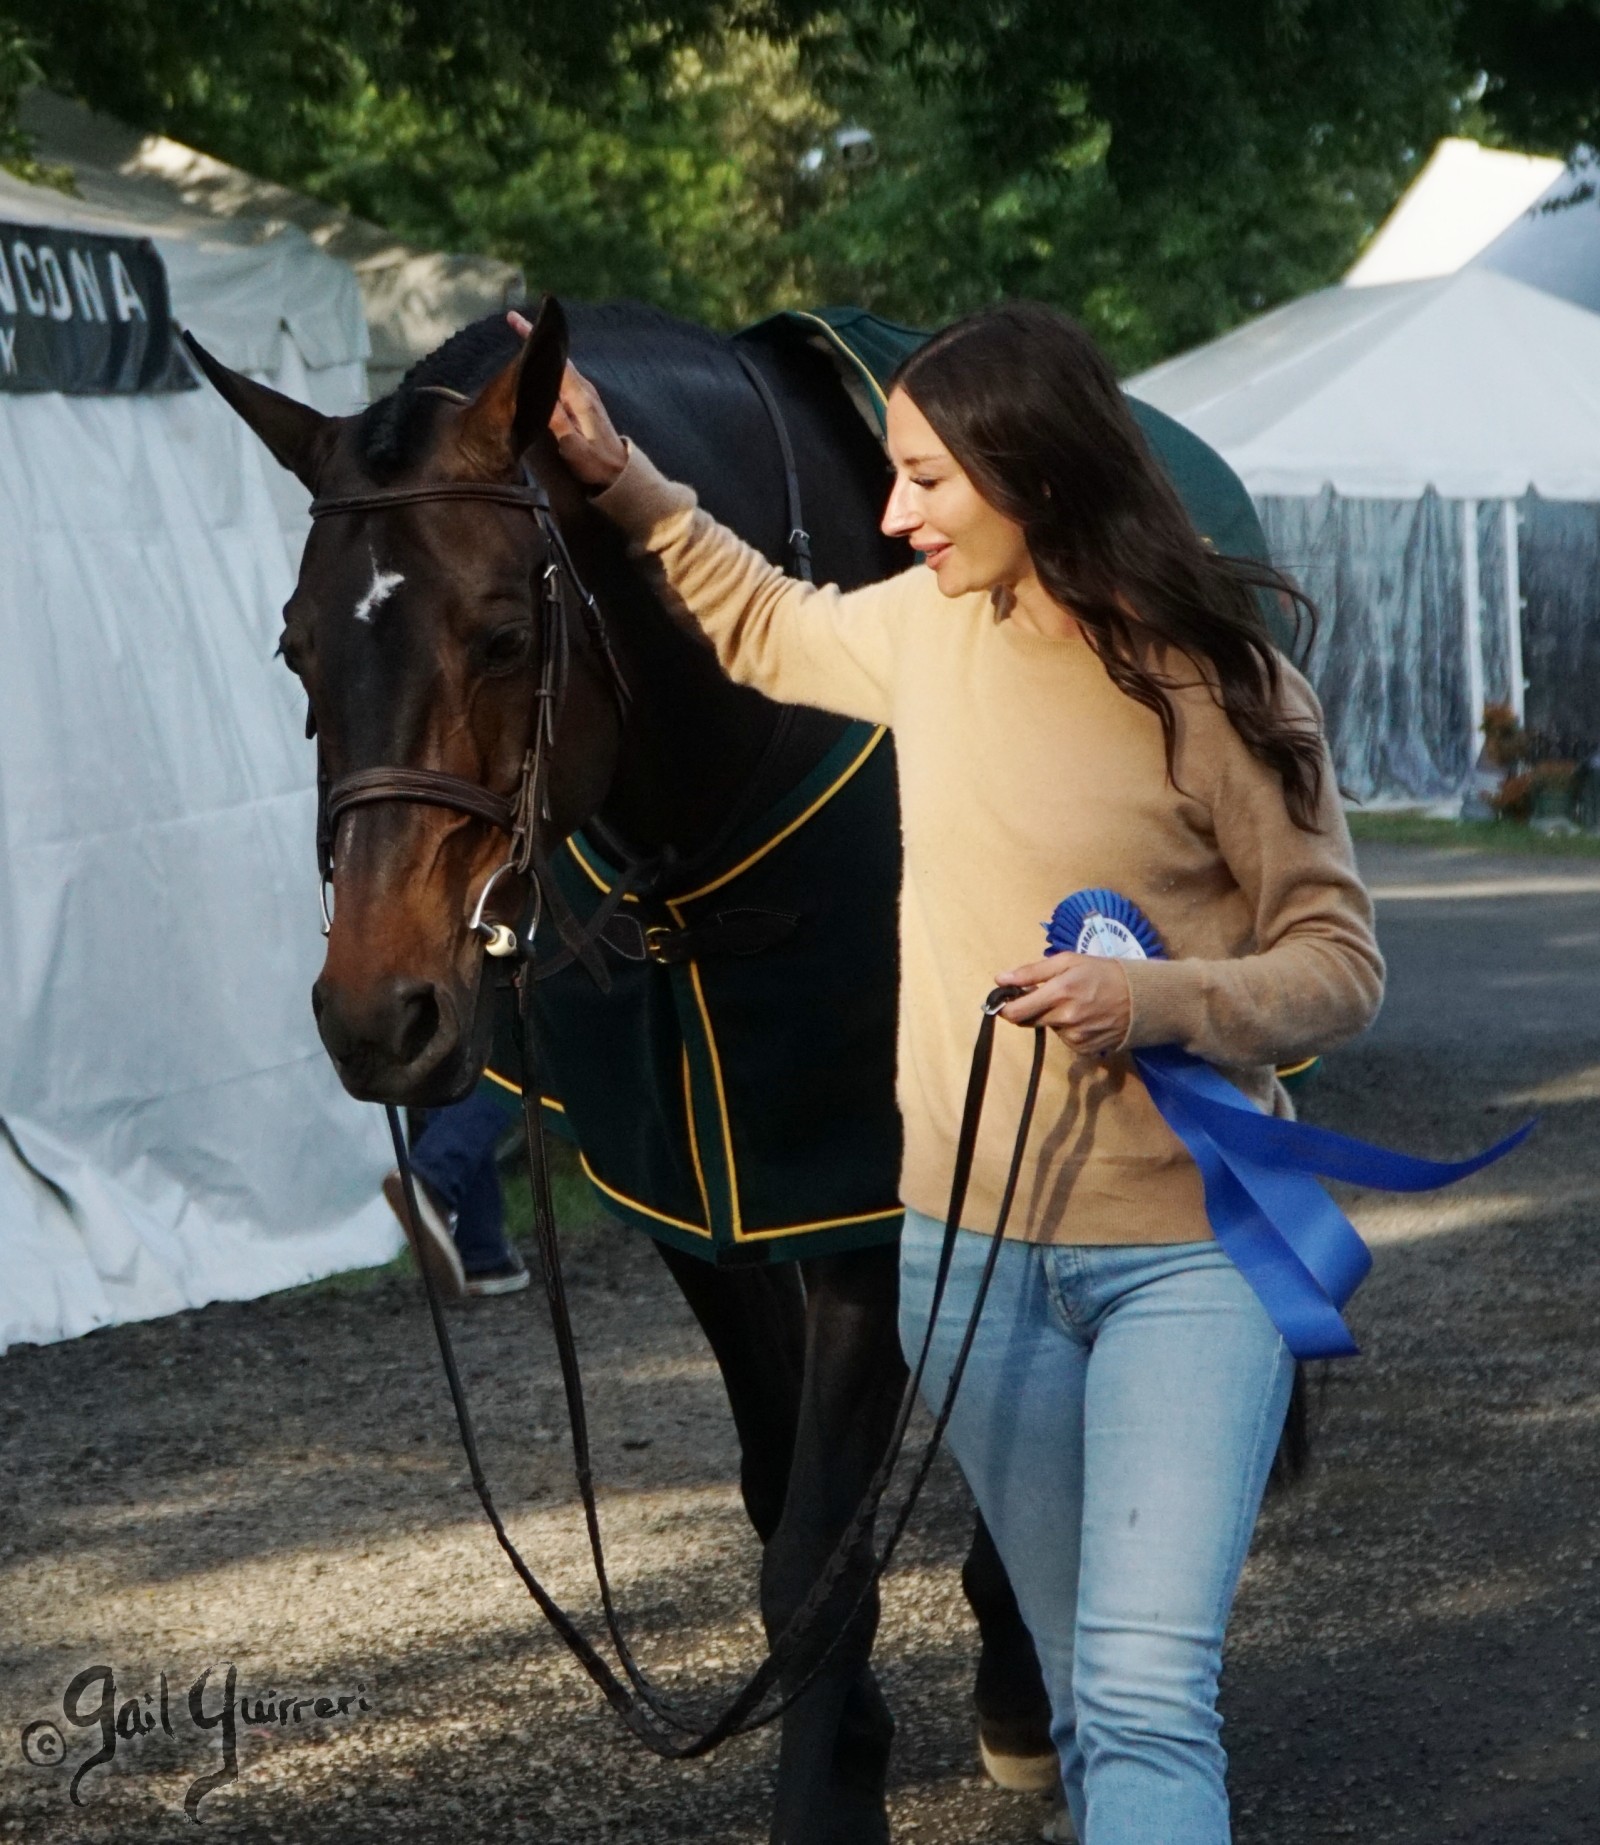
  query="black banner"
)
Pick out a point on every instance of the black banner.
point(85, 314)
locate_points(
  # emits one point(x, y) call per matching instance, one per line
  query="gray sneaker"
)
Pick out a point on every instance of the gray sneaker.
point(432, 1241)
point(508, 1277)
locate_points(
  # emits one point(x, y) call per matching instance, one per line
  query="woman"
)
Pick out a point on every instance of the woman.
point(1082, 695)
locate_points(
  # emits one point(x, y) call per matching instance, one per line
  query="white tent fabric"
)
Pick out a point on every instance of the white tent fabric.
point(1425, 457)
point(170, 1130)
point(238, 298)
point(1555, 246)
point(1475, 385)
point(1463, 198)
point(415, 299)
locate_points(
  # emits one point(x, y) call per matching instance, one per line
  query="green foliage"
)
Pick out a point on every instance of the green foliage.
point(680, 192)
point(19, 68)
point(946, 221)
point(1161, 167)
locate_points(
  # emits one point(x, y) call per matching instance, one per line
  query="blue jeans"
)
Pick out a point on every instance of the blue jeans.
point(455, 1154)
point(1117, 1421)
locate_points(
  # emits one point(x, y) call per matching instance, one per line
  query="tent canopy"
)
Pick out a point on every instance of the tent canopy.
point(414, 299)
point(1463, 198)
point(1476, 385)
point(1555, 246)
point(238, 298)
point(170, 1129)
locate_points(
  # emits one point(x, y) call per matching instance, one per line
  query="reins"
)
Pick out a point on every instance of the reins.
point(665, 1726)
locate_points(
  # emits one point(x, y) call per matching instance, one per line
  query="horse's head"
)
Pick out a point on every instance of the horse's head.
point(420, 628)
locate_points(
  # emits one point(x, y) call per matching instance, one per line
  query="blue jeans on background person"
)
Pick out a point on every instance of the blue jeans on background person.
point(455, 1153)
point(1117, 1422)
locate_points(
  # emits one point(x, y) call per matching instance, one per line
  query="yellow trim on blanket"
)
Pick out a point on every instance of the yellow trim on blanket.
point(794, 825)
point(1296, 1069)
point(633, 1204)
point(823, 1223)
point(590, 873)
point(841, 345)
point(645, 1210)
point(694, 1138)
point(722, 1097)
point(505, 1082)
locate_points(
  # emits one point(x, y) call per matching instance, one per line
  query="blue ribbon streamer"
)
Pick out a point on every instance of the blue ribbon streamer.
point(1287, 1237)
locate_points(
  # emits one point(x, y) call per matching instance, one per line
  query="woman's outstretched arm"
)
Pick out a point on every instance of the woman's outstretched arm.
point(798, 642)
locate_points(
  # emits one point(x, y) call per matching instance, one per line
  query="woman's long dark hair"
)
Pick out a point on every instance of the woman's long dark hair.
point(1027, 404)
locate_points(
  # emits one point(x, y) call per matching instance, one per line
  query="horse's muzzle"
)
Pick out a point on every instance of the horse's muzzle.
point(397, 1040)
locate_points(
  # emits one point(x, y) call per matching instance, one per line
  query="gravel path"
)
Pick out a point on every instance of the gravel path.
point(276, 1485)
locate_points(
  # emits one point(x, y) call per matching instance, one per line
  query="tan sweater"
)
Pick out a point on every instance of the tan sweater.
point(1026, 775)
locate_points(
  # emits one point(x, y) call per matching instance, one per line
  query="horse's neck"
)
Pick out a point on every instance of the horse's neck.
point(699, 752)
point(692, 741)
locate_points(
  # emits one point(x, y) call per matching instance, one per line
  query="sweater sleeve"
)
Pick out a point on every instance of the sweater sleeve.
point(798, 642)
point(1315, 977)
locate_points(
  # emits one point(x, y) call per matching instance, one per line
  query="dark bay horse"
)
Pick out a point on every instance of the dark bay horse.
point(414, 629)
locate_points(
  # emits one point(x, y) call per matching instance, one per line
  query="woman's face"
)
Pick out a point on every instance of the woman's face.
point(965, 542)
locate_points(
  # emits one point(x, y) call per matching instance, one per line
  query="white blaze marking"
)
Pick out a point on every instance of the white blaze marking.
point(384, 584)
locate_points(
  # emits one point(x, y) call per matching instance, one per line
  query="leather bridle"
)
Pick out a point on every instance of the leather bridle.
point(519, 814)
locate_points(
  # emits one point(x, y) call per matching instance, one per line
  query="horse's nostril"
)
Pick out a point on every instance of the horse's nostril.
point(416, 1019)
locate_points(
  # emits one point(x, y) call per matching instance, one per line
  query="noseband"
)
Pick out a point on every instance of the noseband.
point(517, 815)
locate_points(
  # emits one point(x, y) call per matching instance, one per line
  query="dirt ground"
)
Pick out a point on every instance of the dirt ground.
point(1415, 1655)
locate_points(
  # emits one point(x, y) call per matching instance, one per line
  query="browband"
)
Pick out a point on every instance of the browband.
point(532, 499)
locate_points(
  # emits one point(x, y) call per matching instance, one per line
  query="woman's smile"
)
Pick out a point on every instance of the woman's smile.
point(967, 543)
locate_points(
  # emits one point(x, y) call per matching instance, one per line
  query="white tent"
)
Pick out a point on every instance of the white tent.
point(1463, 198)
point(415, 299)
point(1393, 437)
point(1475, 385)
point(170, 1130)
point(1555, 245)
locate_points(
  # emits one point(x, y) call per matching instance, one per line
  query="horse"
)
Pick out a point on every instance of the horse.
point(415, 628)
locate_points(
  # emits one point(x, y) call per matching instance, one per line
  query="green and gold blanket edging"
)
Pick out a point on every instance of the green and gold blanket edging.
point(742, 1107)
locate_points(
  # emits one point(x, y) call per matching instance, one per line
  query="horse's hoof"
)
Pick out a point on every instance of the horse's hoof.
point(1057, 1829)
point(1020, 1774)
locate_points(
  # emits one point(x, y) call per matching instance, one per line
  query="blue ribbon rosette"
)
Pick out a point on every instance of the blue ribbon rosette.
point(1287, 1237)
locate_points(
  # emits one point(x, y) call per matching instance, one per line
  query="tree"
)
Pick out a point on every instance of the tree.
point(1163, 167)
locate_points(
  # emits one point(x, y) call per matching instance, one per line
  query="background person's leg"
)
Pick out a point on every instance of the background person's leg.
point(454, 1157)
point(480, 1221)
point(455, 1144)
point(1187, 1384)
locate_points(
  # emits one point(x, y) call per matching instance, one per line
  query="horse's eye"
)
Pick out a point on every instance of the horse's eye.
point(507, 648)
point(289, 652)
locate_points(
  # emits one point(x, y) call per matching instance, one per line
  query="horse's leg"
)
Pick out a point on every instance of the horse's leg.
point(754, 1322)
point(834, 1754)
point(1013, 1706)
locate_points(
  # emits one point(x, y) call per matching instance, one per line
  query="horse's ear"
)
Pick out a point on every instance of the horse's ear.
point(297, 435)
point(513, 409)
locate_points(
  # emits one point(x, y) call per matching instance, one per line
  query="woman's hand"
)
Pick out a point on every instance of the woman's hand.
point(1084, 999)
point(589, 445)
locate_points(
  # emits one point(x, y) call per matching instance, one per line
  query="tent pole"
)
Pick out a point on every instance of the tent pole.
point(1473, 608)
point(1511, 525)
